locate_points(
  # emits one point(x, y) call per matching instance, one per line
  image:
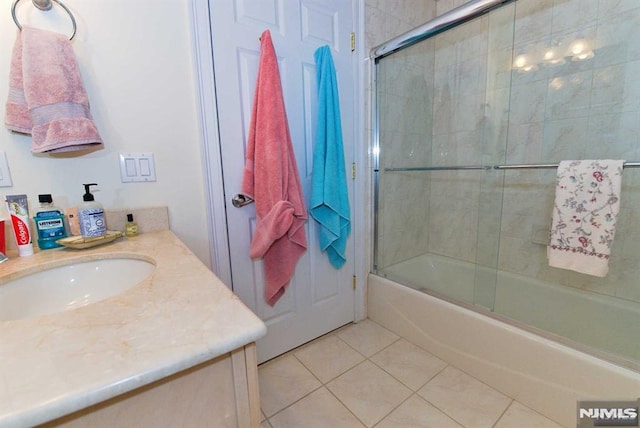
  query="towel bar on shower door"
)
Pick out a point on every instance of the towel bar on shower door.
point(490, 167)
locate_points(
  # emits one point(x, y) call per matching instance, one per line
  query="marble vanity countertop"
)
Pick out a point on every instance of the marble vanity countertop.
point(181, 316)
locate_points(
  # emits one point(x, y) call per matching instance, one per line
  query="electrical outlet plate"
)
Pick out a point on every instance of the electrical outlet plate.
point(137, 167)
point(5, 174)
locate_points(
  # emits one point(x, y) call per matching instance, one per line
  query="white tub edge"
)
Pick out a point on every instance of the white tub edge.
point(539, 373)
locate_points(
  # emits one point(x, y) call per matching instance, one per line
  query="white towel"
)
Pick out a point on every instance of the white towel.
point(584, 215)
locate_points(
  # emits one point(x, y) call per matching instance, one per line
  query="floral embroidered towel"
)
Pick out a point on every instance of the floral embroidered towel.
point(584, 215)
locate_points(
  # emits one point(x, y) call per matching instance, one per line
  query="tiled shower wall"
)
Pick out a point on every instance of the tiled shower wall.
point(434, 110)
point(408, 118)
point(405, 120)
point(475, 109)
point(577, 110)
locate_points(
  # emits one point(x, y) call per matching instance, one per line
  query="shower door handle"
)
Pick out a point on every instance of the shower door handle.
point(241, 200)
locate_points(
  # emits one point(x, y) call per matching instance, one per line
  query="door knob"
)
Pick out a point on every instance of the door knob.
point(241, 200)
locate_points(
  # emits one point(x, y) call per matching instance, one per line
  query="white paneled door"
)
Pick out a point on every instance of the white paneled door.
point(319, 298)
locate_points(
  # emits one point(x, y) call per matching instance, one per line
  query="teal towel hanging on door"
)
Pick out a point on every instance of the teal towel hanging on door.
point(329, 194)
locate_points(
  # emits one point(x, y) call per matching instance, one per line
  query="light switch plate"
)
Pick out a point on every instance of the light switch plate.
point(136, 167)
point(5, 174)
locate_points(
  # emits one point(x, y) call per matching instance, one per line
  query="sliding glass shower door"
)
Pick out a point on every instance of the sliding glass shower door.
point(460, 115)
point(443, 107)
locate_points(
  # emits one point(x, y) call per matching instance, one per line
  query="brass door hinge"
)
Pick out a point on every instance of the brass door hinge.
point(353, 171)
point(353, 42)
point(354, 282)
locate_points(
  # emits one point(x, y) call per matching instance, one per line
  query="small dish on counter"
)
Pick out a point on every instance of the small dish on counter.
point(80, 242)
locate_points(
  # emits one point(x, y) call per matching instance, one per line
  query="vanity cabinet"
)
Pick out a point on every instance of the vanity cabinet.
point(221, 393)
point(177, 349)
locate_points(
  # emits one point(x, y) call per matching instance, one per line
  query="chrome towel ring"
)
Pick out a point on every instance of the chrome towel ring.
point(45, 5)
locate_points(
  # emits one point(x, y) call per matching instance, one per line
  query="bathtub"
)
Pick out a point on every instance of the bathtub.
point(534, 365)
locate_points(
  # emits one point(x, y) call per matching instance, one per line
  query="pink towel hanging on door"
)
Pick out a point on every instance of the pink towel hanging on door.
point(271, 179)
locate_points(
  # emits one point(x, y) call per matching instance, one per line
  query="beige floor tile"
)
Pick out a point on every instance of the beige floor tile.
point(265, 424)
point(416, 413)
point(328, 357)
point(367, 337)
point(369, 392)
point(320, 409)
point(464, 398)
point(408, 363)
point(282, 382)
point(520, 416)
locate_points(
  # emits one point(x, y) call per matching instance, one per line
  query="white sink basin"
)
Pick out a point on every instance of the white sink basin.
point(70, 286)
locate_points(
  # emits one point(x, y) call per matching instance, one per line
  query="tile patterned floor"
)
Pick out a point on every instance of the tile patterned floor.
point(363, 375)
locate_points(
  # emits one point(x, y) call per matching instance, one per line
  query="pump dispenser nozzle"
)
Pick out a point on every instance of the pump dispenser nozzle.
point(88, 196)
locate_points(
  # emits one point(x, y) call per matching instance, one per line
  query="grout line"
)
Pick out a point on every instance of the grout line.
point(365, 359)
point(307, 368)
point(298, 400)
point(339, 374)
point(369, 359)
point(399, 380)
point(394, 409)
point(345, 406)
point(306, 344)
point(436, 406)
point(439, 409)
point(349, 345)
point(503, 412)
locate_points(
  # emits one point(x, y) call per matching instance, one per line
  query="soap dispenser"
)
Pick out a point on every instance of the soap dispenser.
point(91, 215)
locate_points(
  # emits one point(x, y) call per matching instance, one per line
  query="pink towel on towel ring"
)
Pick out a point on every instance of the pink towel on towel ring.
point(271, 178)
point(47, 98)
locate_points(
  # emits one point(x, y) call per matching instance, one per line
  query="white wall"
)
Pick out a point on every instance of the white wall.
point(136, 59)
